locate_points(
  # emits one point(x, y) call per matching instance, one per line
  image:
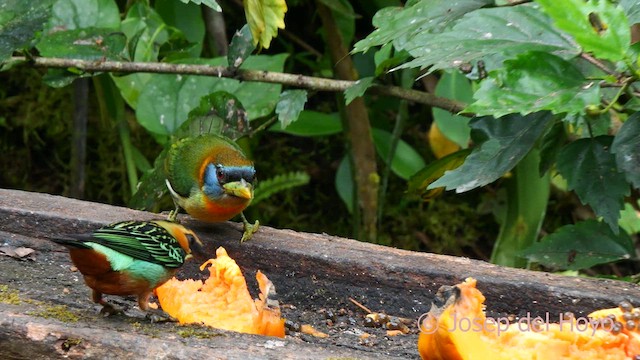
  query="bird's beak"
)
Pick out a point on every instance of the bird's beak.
point(241, 189)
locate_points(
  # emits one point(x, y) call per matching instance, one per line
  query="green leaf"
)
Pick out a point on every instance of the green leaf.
point(59, 78)
point(82, 14)
point(505, 31)
point(345, 20)
point(340, 7)
point(278, 183)
point(527, 194)
point(210, 3)
point(344, 183)
point(145, 29)
point(626, 147)
point(597, 25)
point(590, 170)
point(358, 89)
point(85, 44)
point(152, 185)
point(502, 143)
point(290, 106)
point(19, 22)
point(532, 82)
point(552, 141)
point(630, 219)
point(166, 100)
point(399, 25)
point(188, 18)
point(264, 18)
point(241, 47)
point(581, 246)
point(632, 9)
point(419, 182)
point(454, 85)
point(218, 113)
point(406, 161)
point(312, 123)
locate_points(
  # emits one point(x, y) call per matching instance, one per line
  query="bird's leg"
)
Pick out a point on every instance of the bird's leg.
point(173, 214)
point(154, 314)
point(107, 309)
point(249, 229)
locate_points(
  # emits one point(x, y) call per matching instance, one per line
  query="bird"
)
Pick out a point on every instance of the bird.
point(130, 258)
point(211, 178)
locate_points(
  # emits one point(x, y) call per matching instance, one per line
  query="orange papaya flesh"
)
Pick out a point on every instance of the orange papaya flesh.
point(223, 300)
point(458, 329)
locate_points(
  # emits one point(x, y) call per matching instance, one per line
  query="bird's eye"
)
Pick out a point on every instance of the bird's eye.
point(221, 174)
point(191, 239)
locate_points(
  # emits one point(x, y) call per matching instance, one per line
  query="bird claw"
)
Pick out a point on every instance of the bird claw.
point(159, 316)
point(249, 229)
point(110, 310)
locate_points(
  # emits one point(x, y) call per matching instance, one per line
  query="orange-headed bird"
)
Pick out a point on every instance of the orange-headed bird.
point(130, 258)
point(211, 179)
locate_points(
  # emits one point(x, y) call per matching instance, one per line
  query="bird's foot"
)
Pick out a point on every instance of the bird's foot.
point(110, 310)
point(249, 229)
point(173, 216)
point(159, 316)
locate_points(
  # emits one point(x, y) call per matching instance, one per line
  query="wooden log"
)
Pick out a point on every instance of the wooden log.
point(316, 271)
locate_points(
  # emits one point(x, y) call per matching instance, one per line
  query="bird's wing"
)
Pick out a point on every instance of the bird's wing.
point(142, 240)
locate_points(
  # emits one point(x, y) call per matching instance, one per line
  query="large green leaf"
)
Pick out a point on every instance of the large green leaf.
point(581, 246)
point(626, 147)
point(210, 3)
point(188, 18)
point(597, 25)
point(80, 14)
point(506, 31)
point(312, 123)
point(532, 82)
point(454, 85)
point(406, 161)
point(552, 141)
point(265, 17)
point(166, 99)
point(19, 22)
point(502, 143)
point(145, 30)
point(399, 25)
point(357, 89)
point(590, 170)
point(241, 47)
point(85, 44)
point(526, 203)
point(344, 183)
point(218, 113)
point(290, 106)
point(632, 9)
point(418, 183)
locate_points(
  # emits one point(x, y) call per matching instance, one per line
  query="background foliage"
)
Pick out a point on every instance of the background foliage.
point(544, 159)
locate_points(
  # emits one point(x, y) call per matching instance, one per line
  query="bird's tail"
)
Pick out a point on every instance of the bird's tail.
point(71, 241)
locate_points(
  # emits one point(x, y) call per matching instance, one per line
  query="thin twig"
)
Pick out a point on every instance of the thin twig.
point(598, 64)
point(516, 3)
point(366, 309)
point(300, 81)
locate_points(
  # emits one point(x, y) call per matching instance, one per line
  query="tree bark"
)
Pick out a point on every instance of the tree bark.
point(358, 131)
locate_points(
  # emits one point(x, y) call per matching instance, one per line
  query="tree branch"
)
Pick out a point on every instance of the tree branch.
point(300, 81)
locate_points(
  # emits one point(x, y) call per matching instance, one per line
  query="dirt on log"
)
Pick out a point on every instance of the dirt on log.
point(45, 310)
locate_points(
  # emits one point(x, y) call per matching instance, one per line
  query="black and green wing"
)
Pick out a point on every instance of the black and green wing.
point(146, 241)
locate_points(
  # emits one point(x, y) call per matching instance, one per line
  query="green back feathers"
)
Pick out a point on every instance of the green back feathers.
point(187, 157)
point(145, 241)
